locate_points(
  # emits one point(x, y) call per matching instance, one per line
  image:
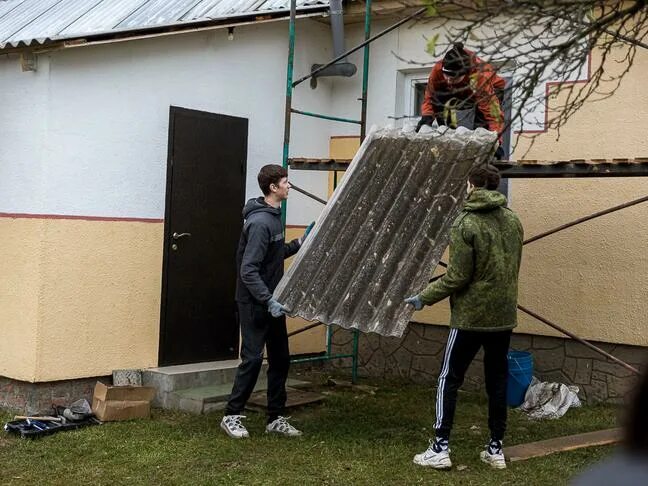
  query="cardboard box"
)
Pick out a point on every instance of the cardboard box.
point(111, 403)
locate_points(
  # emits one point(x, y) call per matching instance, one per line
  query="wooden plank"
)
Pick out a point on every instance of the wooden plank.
point(296, 398)
point(561, 444)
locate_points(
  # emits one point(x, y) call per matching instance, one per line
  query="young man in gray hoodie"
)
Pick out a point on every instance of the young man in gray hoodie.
point(260, 266)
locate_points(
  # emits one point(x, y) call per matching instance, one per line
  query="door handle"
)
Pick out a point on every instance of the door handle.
point(177, 236)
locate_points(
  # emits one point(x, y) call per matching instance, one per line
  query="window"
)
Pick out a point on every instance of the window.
point(419, 96)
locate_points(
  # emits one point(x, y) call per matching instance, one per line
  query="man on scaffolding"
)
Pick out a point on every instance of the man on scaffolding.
point(464, 90)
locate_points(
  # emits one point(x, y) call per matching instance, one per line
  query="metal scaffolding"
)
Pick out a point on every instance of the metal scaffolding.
point(509, 169)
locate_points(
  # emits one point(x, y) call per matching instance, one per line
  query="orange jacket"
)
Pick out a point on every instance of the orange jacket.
point(479, 88)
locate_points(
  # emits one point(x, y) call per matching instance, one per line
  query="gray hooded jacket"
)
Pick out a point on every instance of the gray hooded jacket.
point(261, 252)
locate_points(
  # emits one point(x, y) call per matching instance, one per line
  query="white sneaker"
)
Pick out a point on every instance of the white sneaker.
point(437, 456)
point(493, 455)
point(281, 426)
point(233, 427)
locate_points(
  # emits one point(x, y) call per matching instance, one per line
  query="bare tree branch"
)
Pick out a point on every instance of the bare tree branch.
point(582, 48)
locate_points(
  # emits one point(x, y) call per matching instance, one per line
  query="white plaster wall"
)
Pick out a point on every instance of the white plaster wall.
point(386, 73)
point(87, 133)
point(382, 81)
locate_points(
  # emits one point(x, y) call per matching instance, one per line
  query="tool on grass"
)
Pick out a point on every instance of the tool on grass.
point(45, 418)
point(37, 424)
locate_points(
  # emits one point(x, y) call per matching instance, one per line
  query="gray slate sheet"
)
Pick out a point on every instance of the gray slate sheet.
point(384, 230)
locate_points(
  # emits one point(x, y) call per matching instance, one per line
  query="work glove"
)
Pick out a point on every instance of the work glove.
point(276, 309)
point(425, 120)
point(415, 301)
point(308, 230)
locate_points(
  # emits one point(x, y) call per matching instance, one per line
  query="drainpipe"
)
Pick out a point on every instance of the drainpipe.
point(340, 68)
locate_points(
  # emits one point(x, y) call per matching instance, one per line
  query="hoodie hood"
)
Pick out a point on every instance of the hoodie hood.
point(484, 200)
point(259, 205)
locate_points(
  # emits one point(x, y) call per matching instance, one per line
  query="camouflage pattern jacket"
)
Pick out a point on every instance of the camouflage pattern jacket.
point(482, 275)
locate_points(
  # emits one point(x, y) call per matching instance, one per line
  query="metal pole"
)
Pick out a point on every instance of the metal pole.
point(585, 218)
point(365, 71)
point(306, 193)
point(289, 89)
point(304, 329)
point(360, 46)
point(326, 117)
point(354, 358)
point(320, 358)
point(580, 340)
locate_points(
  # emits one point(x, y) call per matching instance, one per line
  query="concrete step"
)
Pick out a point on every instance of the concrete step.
point(206, 399)
point(169, 379)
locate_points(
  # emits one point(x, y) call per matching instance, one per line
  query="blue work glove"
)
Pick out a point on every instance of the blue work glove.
point(276, 309)
point(415, 301)
point(308, 230)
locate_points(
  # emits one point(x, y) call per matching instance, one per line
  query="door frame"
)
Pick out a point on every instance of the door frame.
point(173, 112)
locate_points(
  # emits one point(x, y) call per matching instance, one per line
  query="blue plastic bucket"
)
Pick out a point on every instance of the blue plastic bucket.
point(520, 365)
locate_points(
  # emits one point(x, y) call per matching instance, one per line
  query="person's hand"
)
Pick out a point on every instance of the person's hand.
point(415, 301)
point(306, 231)
point(425, 120)
point(276, 309)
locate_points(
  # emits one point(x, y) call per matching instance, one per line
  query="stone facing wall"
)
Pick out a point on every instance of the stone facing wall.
point(417, 357)
point(36, 398)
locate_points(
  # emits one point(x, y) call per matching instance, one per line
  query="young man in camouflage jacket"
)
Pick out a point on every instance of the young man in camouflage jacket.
point(482, 283)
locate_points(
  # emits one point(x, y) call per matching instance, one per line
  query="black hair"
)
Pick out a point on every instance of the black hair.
point(270, 174)
point(487, 176)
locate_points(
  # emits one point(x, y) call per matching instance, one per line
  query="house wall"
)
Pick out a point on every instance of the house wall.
point(83, 161)
point(19, 290)
point(590, 279)
point(82, 193)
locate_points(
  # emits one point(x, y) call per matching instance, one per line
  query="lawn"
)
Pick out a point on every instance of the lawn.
point(352, 438)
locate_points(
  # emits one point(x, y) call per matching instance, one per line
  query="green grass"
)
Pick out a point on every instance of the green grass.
point(352, 438)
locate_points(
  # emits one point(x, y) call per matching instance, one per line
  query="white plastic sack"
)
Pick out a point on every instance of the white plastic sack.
point(545, 400)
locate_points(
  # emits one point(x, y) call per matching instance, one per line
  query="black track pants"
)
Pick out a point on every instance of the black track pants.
point(460, 350)
point(259, 329)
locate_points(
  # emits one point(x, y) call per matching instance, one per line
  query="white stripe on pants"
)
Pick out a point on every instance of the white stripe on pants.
point(444, 372)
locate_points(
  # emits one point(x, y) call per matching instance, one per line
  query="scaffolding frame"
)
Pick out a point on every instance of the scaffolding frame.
point(509, 169)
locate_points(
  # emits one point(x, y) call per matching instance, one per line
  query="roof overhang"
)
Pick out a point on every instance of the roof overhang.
point(45, 44)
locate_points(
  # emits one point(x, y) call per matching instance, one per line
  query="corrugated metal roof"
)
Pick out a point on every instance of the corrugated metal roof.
point(25, 22)
point(384, 230)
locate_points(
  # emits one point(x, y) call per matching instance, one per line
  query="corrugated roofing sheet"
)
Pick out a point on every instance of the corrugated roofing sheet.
point(384, 230)
point(25, 22)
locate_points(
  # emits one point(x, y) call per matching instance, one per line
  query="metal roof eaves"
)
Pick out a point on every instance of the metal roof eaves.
point(52, 20)
point(25, 43)
point(307, 10)
point(62, 33)
point(196, 22)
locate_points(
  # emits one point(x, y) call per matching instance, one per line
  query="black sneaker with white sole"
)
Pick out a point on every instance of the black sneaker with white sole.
point(493, 455)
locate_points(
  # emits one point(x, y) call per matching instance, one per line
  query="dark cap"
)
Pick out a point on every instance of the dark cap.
point(456, 61)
